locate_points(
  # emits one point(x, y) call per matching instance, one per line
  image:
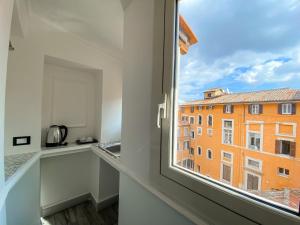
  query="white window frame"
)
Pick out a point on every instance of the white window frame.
point(240, 206)
point(222, 173)
point(199, 129)
point(209, 132)
point(185, 131)
point(230, 129)
point(288, 124)
point(286, 108)
point(228, 108)
point(222, 156)
point(255, 109)
point(192, 134)
point(253, 174)
point(259, 169)
point(192, 117)
point(261, 132)
point(284, 170)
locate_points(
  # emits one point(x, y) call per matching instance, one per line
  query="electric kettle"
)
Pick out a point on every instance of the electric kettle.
point(56, 136)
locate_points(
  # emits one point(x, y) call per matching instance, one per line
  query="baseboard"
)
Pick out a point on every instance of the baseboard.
point(104, 203)
point(57, 207)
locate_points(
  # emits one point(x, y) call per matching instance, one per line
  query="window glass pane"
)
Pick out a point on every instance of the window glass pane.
point(237, 95)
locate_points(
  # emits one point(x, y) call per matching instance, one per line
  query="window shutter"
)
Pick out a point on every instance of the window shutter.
point(224, 108)
point(293, 108)
point(232, 108)
point(277, 146)
point(260, 108)
point(249, 109)
point(293, 149)
point(279, 108)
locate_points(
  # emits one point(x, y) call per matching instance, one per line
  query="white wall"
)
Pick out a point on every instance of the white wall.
point(24, 83)
point(69, 98)
point(22, 203)
point(65, 177)
point(138, 206)
point(6, 7)
point(136, 115)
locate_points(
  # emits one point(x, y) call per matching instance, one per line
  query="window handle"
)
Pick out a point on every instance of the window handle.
point(162, 111)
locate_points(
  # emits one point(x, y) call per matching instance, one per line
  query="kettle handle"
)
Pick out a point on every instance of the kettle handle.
point(65, 133)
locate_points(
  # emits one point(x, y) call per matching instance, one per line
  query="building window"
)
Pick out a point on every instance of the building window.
point(184, 118)
point(186, 145)
point(209, 120)
point(285, 147)
point(199, 150)
point(199, 130)
point(200, 107)
point(178, 132)
point(255, 109)
point(191, 151)
point(254, 140)
point(227, 157)
point(209, 132)
point(253, 164)
point(253, 181)
point(228, 109)
point(209, 154)
point(227, 136)
point(192, 134)
point(192, 109)
point(189, 164)
point(226, 173)
point(287, 108)
point(192, 120)
point(199, 119)
point(283, 171)
point(198, 168)
point(186, 131)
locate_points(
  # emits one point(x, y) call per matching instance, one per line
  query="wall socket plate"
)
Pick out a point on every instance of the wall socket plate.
point(22, 140)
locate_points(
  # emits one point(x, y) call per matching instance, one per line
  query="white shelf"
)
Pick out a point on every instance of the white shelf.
point(64, 150)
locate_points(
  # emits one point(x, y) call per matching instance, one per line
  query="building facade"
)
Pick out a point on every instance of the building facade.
point(247, 140)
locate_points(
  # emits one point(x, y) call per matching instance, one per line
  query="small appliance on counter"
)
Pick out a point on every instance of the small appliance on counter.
point(88, 140)
point(56, 136)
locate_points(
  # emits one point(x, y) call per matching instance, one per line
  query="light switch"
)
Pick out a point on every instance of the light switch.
point(24, 140)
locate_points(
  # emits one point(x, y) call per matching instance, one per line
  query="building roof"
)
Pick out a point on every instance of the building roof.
point(274, 95)
point(187, 30)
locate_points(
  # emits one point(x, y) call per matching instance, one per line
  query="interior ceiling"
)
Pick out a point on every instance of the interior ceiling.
point(98, 21)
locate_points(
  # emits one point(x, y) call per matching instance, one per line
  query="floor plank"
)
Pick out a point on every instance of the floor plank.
point(84, 214)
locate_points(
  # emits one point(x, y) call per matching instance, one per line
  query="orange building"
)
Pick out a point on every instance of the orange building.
point(247, 140)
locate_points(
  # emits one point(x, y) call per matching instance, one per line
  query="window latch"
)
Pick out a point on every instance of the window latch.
point(162, 111)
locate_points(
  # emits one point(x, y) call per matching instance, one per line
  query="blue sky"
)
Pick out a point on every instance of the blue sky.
point(243, 46)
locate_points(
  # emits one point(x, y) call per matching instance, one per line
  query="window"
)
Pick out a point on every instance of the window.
point(227, 132)
point(186, 131)
point(209, 120)
point(253, 164)
point(254, 141)
point(199, 150)
point(198, 168)
point(200, 120)
point(228, 109)
point(209, 132)
point(192, 109)
point(283, 171)
point(199, 130)
point(191, 151)
point(209, 154)
point(207, 64)
point(226, 173)
point(186, 145)
point(285, 147)
point(287, 108)
point(252, 181)
point(192, 134)
point(255, 109)
point(192, 120)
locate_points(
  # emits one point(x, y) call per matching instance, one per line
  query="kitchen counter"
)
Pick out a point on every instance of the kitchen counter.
point(64, 150)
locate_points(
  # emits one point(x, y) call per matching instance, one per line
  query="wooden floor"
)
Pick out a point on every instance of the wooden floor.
point(84, 214)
